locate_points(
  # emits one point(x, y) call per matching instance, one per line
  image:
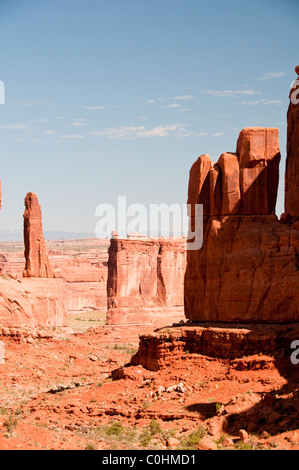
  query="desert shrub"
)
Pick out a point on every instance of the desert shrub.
point(155, 427)
point(145, 438)
point(243, 446)
point(116, 429)
point(90, 446)
point(11, 422)
point(193, 439)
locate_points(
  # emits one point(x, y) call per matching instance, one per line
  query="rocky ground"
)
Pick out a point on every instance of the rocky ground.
point(74, 388)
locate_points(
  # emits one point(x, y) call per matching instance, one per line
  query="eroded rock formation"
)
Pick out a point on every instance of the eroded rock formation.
point(248, 267)
point(85, 282)
point(146, 281)
point(244, 182)
point(37, 262)
point(32, 302)
point(82, 264)
point(164, 347)
point(292, 163)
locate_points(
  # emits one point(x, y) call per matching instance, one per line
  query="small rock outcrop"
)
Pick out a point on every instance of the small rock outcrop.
point(36, 256)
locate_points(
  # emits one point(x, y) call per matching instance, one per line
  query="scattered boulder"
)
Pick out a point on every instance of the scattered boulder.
point(243, 435)
point(207, 444)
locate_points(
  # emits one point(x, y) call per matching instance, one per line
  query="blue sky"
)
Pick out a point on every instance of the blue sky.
point(106, 98)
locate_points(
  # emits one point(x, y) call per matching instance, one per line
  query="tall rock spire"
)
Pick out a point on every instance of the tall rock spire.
point(37, 262)
point(292, 163)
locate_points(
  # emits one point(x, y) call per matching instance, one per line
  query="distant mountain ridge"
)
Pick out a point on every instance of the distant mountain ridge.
point(17, 235)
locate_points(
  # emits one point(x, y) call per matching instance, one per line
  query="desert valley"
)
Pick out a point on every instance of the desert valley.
point(142, 343)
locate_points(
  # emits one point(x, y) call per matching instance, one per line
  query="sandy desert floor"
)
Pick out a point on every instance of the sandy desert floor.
point(73, 388)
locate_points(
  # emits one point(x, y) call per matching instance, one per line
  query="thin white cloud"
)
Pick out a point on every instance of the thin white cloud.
point(80, 123)
point(31, 103)
point(193, 134)
point(217, 134)
point(72, 136)
point(183, 97)
point(94, 108)
point(172, 106)
point(263, 101)
point(232, 93)
point(50, 132)
point(19, 127)
point(98, 107)
point(270, 75)
point(139, 132)
point(174, 98)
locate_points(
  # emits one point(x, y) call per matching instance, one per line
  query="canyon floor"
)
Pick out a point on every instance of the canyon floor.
point(74, 388)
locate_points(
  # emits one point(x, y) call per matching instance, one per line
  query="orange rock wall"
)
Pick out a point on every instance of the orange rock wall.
point(32, 302)
point(146, 280)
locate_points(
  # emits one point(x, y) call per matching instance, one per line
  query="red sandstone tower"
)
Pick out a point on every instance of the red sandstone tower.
point(292, 163)
point(37, 262)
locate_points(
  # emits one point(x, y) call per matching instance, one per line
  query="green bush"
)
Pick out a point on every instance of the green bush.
point(145, 438)
point(155, 427)
point(194, 438)
point(116, 429)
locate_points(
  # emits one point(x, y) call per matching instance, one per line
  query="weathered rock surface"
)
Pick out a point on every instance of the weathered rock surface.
point(248, 267)
point(82, 264)
point(146, 280)
point(161, 349)
point(85, 284)
point(32, 302)
point(247, 270)
point(37, 262)
point(244, 182)
point(292, 163)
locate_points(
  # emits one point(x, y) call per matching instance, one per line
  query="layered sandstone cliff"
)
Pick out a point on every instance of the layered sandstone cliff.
point(146, 280)
point(248, 267)
point(82, 264)
point(32, 302)
point(85, 277)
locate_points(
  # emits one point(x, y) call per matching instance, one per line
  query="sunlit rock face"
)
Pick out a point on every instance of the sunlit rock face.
point(146, 281)
point(248, 267)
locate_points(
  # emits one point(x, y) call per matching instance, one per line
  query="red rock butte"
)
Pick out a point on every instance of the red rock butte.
point(146, 281)
point(247, 269)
